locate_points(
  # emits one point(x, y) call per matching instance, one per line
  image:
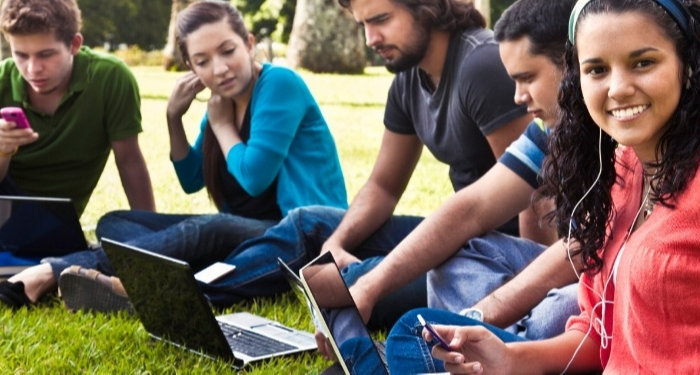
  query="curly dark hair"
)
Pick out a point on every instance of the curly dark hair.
point(445, 15)
point(572, 166)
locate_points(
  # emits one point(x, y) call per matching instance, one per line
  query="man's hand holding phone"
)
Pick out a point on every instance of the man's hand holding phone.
point(15, 115)
point(15, 131)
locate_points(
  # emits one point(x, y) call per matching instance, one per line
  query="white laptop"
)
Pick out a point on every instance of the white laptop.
point(172, 308)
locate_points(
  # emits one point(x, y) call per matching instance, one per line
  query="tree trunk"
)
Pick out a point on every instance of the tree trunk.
point(172, 59)
point(4, 48)
point(325, 39)
point(484, 7)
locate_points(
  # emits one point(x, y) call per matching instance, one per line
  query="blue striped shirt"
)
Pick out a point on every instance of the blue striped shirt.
point(526, 155)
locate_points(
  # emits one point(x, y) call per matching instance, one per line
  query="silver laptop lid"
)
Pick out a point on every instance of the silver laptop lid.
point(334, 304)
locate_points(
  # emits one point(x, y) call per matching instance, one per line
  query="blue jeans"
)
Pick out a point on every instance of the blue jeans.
point(297, 240)
point(202, 240)
point(485, 264)
point(199, 240)
point(390, 308)
point(406, 350)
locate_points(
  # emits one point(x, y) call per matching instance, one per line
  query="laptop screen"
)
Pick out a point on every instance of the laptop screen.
point(39, 227)
point(338, 310)
point(167, 299)
point(297, 287)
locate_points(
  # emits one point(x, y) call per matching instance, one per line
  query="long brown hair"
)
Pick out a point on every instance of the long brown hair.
point(190, 20)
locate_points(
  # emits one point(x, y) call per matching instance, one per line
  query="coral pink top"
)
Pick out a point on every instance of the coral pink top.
point(653, 325)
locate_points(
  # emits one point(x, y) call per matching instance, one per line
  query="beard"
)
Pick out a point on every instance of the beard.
point(410, 55)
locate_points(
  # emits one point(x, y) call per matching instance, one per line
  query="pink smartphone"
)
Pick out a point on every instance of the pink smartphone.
point(16, 115)
point(437, 337)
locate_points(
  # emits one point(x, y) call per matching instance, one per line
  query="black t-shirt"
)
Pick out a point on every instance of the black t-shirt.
point(239, 202)
point(474, 98)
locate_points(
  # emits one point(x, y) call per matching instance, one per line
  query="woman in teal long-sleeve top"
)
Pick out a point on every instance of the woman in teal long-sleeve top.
point(264, 149)
point(288, 135)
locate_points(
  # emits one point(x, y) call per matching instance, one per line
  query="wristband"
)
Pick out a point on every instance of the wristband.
point(473, 313)
point(8, 154)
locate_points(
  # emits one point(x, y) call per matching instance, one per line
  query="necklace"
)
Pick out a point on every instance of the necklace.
point(648, 207)
point(648, 203)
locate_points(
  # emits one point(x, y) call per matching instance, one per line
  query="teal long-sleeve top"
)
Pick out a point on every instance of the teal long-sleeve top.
point(289, 139)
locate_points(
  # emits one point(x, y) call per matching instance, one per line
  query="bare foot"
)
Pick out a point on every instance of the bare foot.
point(38, 280)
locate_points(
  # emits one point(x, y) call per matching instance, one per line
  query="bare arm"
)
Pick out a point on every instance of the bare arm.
point(478, 208)
point(533, 228)
point(134, 174)
point(512, 301)
point(477, 350)
point(376, 201)
point(500, 139)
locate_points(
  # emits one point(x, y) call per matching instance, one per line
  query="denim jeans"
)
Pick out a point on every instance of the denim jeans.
point(204, 239)
point(485, 264)
point(390, 308)
point(297, 240)
point(199, 240)
point(406, 350)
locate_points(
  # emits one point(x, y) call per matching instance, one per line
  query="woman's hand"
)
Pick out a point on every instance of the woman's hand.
point(222, 114)
point(184, 92)
point(475, 350)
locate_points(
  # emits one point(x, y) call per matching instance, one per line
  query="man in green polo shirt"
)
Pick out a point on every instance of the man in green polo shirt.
point(80, 105)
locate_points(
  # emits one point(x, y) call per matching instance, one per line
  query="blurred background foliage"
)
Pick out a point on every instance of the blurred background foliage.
point(137, 30)
point(271, 18)
point(144, 23)
point(141, 23)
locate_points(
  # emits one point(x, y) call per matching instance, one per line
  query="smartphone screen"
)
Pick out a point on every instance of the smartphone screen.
point(214, 272)
point(430, 329)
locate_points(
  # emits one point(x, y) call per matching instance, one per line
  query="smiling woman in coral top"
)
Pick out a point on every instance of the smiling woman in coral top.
point(623, 172)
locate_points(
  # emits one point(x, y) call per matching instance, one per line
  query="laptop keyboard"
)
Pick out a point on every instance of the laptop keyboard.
point(251, 343)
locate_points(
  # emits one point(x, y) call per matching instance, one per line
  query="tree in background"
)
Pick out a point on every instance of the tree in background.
point(172, 59)
point(143, 23)
point(498, 7)
point(325, 39)
point(268, 18)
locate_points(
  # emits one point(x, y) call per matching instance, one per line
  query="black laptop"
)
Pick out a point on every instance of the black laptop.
point(39, 226)
point(172, 308)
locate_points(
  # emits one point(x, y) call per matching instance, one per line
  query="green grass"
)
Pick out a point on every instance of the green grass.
point(51, 340)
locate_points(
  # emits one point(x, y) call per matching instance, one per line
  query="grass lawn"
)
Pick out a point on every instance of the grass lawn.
point(49, 339)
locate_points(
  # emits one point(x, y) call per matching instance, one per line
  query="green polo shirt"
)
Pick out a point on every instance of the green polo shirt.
point(102, 105)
